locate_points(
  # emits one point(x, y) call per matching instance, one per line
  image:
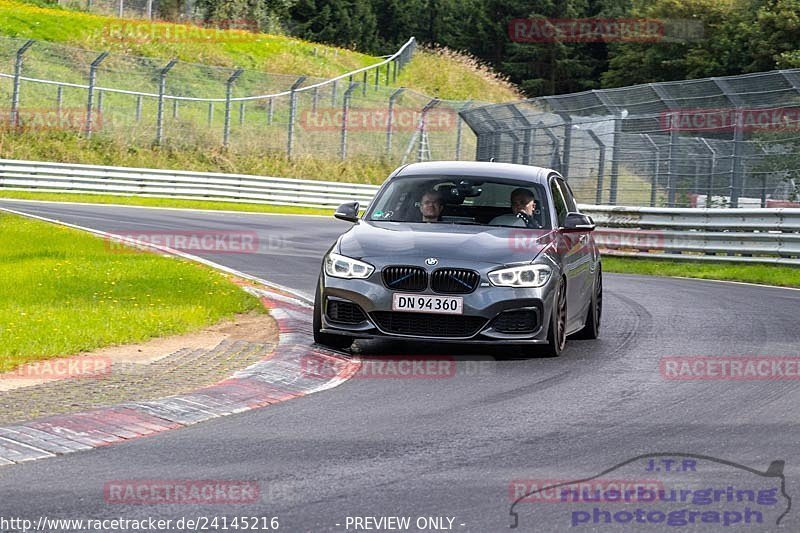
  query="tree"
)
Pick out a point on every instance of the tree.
point(260, 15)
point(342, 22)
point(775, 38)
point(739, 36)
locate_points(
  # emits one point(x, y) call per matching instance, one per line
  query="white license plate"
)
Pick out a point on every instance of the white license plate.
point(419, 303)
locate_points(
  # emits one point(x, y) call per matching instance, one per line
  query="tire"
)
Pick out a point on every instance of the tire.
point(591, 330)
point(556, 335)
point(337, 342)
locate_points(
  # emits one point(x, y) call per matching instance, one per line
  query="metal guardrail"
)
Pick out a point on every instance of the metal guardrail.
point(748, 235)
point(92, 179)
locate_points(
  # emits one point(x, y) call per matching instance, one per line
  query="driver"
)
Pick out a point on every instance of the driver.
point(431, 206)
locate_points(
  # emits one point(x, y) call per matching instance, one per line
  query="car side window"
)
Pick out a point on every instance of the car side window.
point(558, 202)
point(569, 199)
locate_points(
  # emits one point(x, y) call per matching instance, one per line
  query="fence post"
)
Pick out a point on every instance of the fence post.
point(713, 170)
point(121, 9)
point(226, 129)
point(555, 158)
point(656, 169)
point(292, 113)
point(17, 76)
point(423, 134)
point(377, 73)
point(364, 85)
point(390, 119)
point(420, 134)
point(615, 153)
point(736, 166)
point(345, 111)
point(567, 144)
point(601, 166)
point(270, 110)
point(139, 108)
point(149, 9)
point(90, 99)
point(59, 101)
point(334, 86)
point(388, 66)
point(526, 146)
point(459, 127)
point(314, 99)
point(674, 139)
point(241, 113)
point(210, 113)
point(162, 88)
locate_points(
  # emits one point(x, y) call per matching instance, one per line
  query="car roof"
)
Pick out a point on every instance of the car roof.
point(476, 168)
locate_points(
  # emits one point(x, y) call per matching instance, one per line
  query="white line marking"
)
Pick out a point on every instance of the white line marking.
point(299, 294)
point(34, 448)
point(191, 209)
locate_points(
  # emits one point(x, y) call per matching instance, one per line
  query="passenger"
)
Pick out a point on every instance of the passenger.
point(523, 211)
point(523, 205)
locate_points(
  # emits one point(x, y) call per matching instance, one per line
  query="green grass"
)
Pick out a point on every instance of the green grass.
point(269, 53)
point(192, 143)
point(164, 202)
point(455, 76)
point(63, 291)
point(446, 75)
point(782, 276)
point(67, 147)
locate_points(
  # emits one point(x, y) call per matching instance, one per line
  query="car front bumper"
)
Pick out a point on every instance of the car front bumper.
point(487, 302)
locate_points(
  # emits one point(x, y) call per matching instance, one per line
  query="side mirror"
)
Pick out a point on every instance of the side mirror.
point(578, 222)
point(348, 212)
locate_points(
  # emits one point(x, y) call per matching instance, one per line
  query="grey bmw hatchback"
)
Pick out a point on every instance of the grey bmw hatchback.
point(465, 252)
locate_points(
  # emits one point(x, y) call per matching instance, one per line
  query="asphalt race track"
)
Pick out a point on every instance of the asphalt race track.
point(453, 446)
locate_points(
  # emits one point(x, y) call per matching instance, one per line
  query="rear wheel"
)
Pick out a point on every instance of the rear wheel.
point(592, 328)
point(337, 342)
point(556, 336)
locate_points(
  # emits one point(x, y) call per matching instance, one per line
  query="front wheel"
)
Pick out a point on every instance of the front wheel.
point(557, 335)
point(592, 328)
point(337, 342)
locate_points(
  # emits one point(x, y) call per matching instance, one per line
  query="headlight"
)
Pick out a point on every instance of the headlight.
point(521, 276)
point(340, 266)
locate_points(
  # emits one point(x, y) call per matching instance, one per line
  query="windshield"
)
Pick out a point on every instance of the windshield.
point(471, 200)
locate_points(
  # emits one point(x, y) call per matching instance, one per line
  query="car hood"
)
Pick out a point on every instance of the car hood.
point(393, 241)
